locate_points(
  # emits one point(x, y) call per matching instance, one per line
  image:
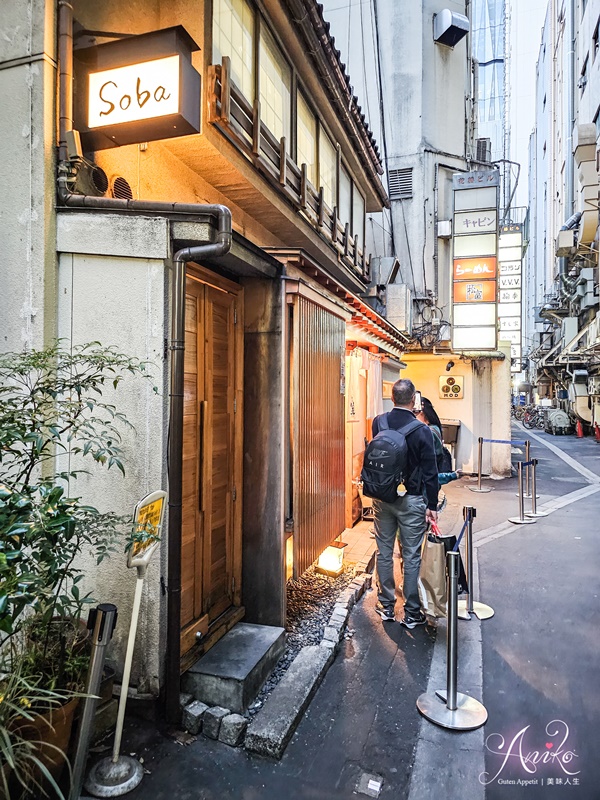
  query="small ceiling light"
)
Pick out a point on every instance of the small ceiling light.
point(449, 366)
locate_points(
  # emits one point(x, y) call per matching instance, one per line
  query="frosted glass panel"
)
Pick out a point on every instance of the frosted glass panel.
point(275, 81)
point(467, 199)
point(484, 244)
point(233, 36)
point(327, 169)
point(307, 139)
point(475, 338)
point(472, 314)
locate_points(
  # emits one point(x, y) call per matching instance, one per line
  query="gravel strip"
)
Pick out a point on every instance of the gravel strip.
point(310, 602)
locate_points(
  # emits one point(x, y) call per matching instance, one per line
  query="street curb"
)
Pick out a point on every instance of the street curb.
point(272, 728)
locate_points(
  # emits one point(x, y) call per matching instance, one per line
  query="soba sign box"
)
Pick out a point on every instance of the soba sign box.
point(137, 89)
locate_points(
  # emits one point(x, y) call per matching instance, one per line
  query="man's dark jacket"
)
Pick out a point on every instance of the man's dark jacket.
point(421, 467)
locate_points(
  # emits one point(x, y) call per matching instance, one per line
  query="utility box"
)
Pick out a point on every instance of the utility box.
point(449, 27)
point(566, 244)
point(569, 329)
point(450, 428)
point(399, 306)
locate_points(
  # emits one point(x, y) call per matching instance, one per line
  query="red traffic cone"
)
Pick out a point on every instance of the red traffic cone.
point(597, 432)
point(579, 429)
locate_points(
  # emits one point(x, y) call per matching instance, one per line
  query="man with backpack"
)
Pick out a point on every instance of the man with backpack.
point(400, 474)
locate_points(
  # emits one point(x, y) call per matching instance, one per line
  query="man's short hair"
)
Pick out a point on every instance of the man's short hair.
point(403, 392)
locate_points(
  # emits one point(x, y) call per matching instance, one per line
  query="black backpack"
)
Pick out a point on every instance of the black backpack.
point(385, 460)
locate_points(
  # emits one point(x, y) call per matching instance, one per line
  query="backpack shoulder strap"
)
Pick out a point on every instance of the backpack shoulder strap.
point(412, 426)
point(383, 422)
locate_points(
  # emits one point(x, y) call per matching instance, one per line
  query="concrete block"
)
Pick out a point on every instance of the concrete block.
point(233, 729)
point(191, 718)
point(331, 633)
point(347, 597)
point(359, 588)
point(368, 581)
point(211, 721)
point(185, 699)
point(273, 727)
point(232, 673)
point(328, 644)
point(338, 620)
point(339, 608)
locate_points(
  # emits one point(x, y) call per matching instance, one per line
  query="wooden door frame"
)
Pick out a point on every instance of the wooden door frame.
point(216, 629)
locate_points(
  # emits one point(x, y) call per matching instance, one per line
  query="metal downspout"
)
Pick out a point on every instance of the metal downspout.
point(177, 345)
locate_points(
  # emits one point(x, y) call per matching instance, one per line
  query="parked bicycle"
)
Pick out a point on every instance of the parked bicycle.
point(533, 418)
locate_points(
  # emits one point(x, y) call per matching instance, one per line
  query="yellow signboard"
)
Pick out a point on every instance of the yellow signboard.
point(147, 519)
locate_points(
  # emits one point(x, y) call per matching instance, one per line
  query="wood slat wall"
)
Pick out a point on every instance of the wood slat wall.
point(318, 431)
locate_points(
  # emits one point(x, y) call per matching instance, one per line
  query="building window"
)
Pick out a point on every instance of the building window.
point(358, 216)
point(275, 83)
point(345, 198)
point(306, 134)
point(400, 183)
point(583, 78)
point(595, 40)
point(233, 36)
point(327, 168)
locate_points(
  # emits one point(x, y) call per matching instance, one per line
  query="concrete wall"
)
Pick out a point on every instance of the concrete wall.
point(27, 91)
point(483, 410)
point(119, 298)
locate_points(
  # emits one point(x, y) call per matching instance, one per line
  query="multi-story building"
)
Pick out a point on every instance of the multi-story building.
point(562, 324)
point(189, 183)
point(427, 84)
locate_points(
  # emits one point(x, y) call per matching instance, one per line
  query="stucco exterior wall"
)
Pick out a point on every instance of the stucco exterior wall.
point(119, 298)
point(483, 410)
point(27, 91)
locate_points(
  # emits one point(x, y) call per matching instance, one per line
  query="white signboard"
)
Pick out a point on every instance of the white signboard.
point(509, 296)
point(132, 93)
point(510, 268)
point(475, 222)
point(510, 281)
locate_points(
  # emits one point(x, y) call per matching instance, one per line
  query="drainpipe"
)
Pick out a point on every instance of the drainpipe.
point(177, 346)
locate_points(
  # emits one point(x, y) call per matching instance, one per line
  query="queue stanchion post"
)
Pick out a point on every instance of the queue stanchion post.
point(471, 606)
point(521, 519)
point(528, 471)
point(479, 487)
point(450, 708)
point(534, 512)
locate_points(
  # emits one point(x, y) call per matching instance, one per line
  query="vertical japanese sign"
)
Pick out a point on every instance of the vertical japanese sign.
point(510, 290)
point(475, 260)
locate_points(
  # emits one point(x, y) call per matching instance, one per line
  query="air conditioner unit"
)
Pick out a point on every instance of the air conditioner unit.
point(449, 27)
point(484, 150)
point(399, 306)
point(566, 244)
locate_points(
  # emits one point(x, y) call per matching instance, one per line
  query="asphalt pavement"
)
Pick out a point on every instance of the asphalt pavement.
point(534, 665)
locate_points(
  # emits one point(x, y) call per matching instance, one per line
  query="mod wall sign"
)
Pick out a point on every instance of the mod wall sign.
point(137, 89)
point(451, 387)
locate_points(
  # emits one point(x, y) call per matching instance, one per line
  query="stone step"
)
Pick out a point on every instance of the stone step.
point(232, 672)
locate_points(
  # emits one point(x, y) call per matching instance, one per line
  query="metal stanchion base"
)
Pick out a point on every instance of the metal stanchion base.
point(481, 491)
point(537, 514)
point(468, 715)
point(519, 521)
point(112, 779)
point(480, 610)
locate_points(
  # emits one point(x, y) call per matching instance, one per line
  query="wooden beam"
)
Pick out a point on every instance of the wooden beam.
point(321, 208)
point(282, 162)
point(225, 89)
point(303, 185)
point(256, 127)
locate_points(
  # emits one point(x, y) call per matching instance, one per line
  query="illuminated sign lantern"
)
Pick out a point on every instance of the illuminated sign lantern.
point(475, 266)
point(137, 89)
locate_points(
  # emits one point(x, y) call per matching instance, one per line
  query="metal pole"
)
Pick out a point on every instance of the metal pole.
point(521, 519)
point(534, 512)
point(139, 585)
point(452, 558)
point(102, 620)
point(527, 470)
point(468, 515)
point(479, 488)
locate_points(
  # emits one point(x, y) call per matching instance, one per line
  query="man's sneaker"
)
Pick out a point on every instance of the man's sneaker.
point(411, 622)
point(386, 614)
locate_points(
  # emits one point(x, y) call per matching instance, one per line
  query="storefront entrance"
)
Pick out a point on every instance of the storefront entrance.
point(212, 448)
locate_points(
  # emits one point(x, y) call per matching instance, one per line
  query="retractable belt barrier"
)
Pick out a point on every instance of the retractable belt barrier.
point(482, 489)
point(527, 518)
point(450, 708)
point(471, 606)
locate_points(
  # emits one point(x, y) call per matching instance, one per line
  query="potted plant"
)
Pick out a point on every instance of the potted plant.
point(52, 401)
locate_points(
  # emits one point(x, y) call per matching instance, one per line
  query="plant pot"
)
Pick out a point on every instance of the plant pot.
point(52, 732)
